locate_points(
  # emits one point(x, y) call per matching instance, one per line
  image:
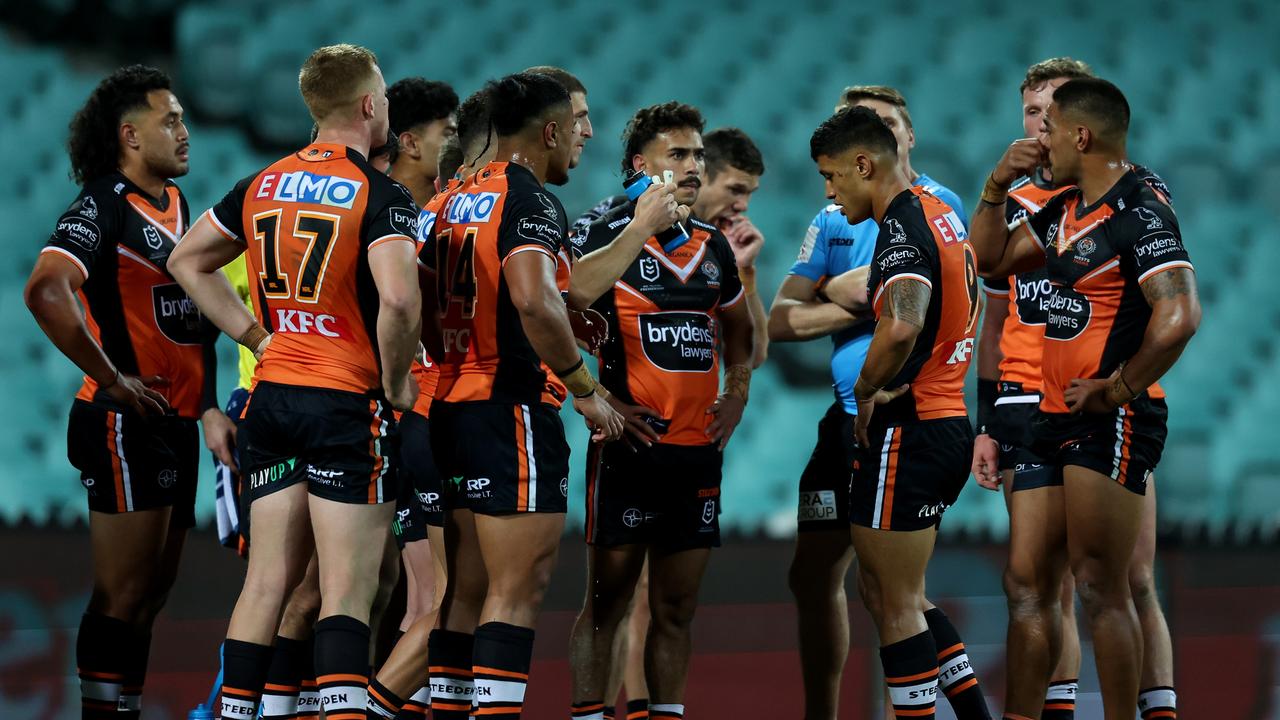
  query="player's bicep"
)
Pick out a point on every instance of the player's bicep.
point(206, 247)
point(531, 280)
point(395, 272)
point(907, 299)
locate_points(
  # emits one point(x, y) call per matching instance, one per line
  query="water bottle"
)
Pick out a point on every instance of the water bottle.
point(201, 712)
point(634, 186)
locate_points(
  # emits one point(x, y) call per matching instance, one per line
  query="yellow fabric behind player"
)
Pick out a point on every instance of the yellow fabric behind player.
point(238, 273)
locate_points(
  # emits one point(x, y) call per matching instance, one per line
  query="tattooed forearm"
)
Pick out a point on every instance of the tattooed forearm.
point(1169, 284)
point(908, 302)
point(737, 381)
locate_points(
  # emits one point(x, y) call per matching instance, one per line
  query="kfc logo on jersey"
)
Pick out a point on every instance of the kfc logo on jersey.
point(301, 322)
point(961, 352)
point(305, 187)
point(466, 208)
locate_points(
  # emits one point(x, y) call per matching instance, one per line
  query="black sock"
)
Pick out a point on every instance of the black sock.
point(308, 693)
point(610, 712)
point(589, 710)
point(500, 665)
point(383, 704)
point(135, 675)
point(911, 672)
point(1158, 703)
point(638, 709)
point(452, 687)
point(342, 665)
point(1060, 700)
point(244, 672)
point(284, 679)
point(100, 650)
point(955, 675)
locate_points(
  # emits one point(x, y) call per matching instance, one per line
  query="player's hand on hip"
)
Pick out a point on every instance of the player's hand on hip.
point(1088, 396)
point(657, 209)
point(728, 409)
point(589, 328)
point(746, 241)
point(636, 427)
point(867, 406)
point(1022, 158)
point(403, 393)
point(605, 423)
point(262, 347)
point(220, 436)
point(138, 393)
point(986, 462)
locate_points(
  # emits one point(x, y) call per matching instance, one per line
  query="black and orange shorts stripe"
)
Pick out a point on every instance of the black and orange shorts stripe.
point(344, 445)
point(128, 462)
point(500, 458)
point(910, 474)
point(1124, 445)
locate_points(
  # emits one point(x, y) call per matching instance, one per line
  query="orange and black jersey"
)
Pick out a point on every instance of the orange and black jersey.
point(1097, 259)
point(308, 221)
point(1022, 337)
point(426, 372)
point(120, 239)
point(662, 350)
point(498, 213)
point(922, 239)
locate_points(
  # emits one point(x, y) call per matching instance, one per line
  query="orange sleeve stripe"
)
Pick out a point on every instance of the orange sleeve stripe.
point(529, 248)
point(501, 673)
point(224, 230)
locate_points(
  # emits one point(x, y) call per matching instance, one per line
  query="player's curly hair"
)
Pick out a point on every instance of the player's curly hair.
point(883, 93)
point(645, 125)
point(731, 147)
point(474, 130)
point(853, 126)
point(516, 100)
point(93, 142)
point(417, 101)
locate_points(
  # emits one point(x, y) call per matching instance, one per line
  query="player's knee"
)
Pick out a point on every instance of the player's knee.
point(869, 591)
point(673, 610)
point(128, 601)
point(1099, 586)
point(1026, 591)
point(1142, 586)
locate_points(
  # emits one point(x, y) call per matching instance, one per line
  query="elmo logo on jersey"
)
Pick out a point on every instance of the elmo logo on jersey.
point(470, 208)
point(305, 187)
point(678, 341)
point(1069, 313)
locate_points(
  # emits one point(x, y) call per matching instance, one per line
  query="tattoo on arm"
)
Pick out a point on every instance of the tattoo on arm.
point(908, 301)
point(1168, 284)
point(737, 381)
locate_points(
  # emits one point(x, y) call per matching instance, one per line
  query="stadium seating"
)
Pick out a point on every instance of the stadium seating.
point(1203, 80)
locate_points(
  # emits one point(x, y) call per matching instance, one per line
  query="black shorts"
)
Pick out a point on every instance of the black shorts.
point(344, 445)
point(128, 462)
point(911, 474)
point(1124, 444)
point(824, 484)
point(418, 503)
point(501, 459)
point(1011, 428)
point(665, 496)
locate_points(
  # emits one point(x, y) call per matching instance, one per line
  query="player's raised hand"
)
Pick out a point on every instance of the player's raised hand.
point(1022, 158)
point(746, 241)
point(589, 328)
point(657, 209)
point(986, 462)
point(138, 393)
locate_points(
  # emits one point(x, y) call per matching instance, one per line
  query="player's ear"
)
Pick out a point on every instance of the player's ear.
point(549, 138)
point(864, 166)
point(1084, 138)
point(409, 145)
point(638, 163)
point(128, 135)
